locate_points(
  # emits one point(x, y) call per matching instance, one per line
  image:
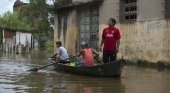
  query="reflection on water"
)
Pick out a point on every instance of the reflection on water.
point(78, 84)
point(14, 77)
point(145, 80)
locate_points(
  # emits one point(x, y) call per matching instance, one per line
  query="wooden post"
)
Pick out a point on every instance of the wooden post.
point(12, 48)
point(3, 36)
point(3, 42)
point(19, 48)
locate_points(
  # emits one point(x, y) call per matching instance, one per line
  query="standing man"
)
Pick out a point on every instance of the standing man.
point(110, 40)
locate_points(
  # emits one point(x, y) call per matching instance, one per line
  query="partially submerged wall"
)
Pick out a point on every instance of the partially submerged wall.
point(149, 40)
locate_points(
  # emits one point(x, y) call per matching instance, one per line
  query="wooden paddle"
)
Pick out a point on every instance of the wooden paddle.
point(38, 68)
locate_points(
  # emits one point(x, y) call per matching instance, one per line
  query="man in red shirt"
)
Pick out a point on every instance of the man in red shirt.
point(111, 41)
point(88, 54)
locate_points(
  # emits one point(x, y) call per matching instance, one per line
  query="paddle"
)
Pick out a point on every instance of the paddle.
point(36, 69)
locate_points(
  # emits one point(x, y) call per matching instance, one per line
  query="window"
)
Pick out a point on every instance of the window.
point(126, 17)
point(89, 26)
point(128, 10)
point(130, 17)
point(167, 8)
point(133, 16)
point(129, 1)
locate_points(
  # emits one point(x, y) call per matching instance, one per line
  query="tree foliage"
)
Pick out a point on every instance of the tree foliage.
point(36, 12)
point(31, 16)
point(11, 20)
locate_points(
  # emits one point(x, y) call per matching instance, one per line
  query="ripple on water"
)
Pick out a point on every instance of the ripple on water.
point(10, 72)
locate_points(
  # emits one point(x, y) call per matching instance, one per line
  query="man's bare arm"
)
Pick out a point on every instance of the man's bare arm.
point(117, 45)
point(101, 44)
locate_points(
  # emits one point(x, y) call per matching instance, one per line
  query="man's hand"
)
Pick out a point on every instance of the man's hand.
point(117, 50)
point(101, 49)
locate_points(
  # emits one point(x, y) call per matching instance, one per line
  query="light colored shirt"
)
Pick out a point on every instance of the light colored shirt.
point(62, 52)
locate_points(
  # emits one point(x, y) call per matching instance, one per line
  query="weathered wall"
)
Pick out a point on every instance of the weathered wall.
point(9, 34)
point(149, 40)
point(55, 30)
point(108, 9)
point(71, 34)
point(150, 9)
point(23, 38)
point(82, 1)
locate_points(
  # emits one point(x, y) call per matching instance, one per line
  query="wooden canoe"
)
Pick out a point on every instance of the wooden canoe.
point(110, 69)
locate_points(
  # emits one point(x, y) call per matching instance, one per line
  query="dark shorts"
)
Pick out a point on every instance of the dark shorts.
point(109, 56)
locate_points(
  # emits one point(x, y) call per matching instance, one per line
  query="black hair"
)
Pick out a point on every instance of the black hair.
point(59, 43)
point(84, 44)
point(113, 20)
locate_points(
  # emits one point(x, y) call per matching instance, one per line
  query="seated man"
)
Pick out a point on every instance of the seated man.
point(61, 52)
point(88, 54)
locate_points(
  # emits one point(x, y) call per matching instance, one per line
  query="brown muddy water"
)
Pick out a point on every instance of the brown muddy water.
point(14, 78)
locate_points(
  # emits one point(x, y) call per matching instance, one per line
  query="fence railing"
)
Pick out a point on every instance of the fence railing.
point(9, 48)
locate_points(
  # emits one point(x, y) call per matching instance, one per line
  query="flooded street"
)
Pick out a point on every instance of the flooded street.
point(14, 78)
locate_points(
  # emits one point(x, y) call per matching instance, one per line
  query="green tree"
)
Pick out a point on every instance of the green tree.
point(31, 16)
point(36, 12)
point(13, 21)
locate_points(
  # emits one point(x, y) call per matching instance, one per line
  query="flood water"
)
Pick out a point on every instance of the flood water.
point(14, 78)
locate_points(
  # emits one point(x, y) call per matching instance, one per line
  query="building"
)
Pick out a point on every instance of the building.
point(12, 37)
point(144, 26)
point(17, 5)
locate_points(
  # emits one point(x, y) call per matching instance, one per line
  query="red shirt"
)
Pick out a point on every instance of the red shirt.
point(88, 57)
point(110, 36)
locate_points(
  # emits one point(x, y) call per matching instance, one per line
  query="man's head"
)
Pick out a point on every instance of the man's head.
point(83, 45)
point(58, 44)
point(111, 22)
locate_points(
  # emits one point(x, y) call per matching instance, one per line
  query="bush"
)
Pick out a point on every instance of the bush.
point(49, 46)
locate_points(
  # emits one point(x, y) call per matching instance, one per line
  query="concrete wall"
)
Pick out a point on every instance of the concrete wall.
point(150, 9)
point(23, 38)
point(10, 41)
point(108, 9)
point(71, 36)
point(83, 1)
point(72, 33)
point(147, 40)
point(55, 30)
